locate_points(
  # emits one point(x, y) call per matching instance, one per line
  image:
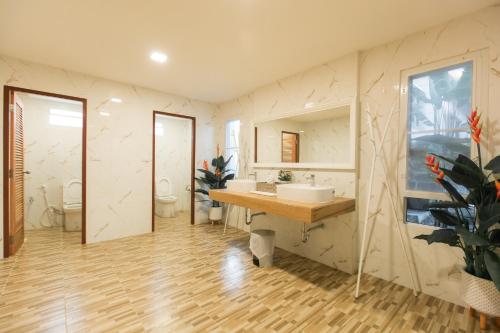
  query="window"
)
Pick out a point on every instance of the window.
point(159, 130)
point(232, 144)
point(438, 103)
point(65, 118)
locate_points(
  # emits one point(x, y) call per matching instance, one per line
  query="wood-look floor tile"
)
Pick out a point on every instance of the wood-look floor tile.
point(187, 278)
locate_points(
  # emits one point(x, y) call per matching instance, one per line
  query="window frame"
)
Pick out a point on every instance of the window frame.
point(237, 148)
point(479, 60)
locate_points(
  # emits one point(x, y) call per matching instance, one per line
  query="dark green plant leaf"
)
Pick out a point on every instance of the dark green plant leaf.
point(446, 236)
point(462, 159)
point(455, 195)
point(200, 190)
point(226, 162)
point(447, 204)
point(445, 217)
point(466, 167)
point(489, 215)
point(494, 165)
point(460, 178)
point(228, 177)
point(494, 237)
point(210, 177)
point(492, 262)
point(471, 239)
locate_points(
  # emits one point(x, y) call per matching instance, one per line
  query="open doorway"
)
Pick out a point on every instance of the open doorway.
point(44, 168)
point(174, 138)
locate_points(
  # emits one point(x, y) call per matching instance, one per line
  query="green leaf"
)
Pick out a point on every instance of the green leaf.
point(452, 191)
point(460, 178)
point(471, 239)
point(227, 177)
point(492, 262)
point(445, 217)
point(209, 175)
point(447, 204)
point(489, 215)
point(494, 165)
point(226, 162)
point(445, 236)
point(464, 160)
point(200, 190)
point(463, 163)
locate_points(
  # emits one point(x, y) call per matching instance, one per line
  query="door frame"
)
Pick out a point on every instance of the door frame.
point(7, 90)
point(193, 159)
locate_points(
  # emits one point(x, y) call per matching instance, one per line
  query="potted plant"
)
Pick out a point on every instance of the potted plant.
point(285, 176)
point(214, 180)
point(472, 217)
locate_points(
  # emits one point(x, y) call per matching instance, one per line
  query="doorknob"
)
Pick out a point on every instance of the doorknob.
point(27, 172)
point(188, 188)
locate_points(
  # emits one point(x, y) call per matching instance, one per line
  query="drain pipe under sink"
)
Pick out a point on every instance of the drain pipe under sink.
point(250, 216)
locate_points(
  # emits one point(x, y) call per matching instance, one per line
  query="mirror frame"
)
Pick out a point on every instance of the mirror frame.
point(349, 166)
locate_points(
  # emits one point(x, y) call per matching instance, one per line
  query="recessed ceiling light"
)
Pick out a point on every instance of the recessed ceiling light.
point(116, 100)
point(158, 57)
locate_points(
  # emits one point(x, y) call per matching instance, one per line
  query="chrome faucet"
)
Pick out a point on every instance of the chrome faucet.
point(312, 180)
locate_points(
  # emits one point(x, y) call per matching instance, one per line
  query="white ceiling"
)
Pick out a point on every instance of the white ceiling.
point(218, 49)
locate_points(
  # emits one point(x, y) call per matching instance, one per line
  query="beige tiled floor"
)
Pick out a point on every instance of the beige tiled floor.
point(193, 279)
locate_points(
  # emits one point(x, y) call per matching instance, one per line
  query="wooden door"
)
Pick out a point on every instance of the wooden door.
point(289, 147)
point(16, 174)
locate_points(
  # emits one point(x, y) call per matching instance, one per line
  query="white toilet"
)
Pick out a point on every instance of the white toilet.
point(164, 200)
point(72, 205)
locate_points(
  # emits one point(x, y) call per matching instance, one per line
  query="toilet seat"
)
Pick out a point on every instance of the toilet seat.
point(164, 200)
point(72, 205)
point(164, 191)
point(72, 196)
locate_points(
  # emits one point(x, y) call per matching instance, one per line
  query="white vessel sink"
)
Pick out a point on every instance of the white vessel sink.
point(241, 185)
point(305, 193)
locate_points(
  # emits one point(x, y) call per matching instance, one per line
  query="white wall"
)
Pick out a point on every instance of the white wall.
point(119, 146)
point(326, 141)
point(335, 84)
point(269, 139)
point(438, 266)
point(53, 155)
point(173, 157)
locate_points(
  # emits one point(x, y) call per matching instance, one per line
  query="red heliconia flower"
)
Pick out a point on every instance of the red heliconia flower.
point(439, 177)
point(475, 121)
point(435, 168)
point(472, 115)
point(205, 165)
point(497, 185)
point(429, 160)
point(476, 135)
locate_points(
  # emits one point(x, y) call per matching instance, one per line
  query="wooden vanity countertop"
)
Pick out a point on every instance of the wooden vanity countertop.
point(295, 210)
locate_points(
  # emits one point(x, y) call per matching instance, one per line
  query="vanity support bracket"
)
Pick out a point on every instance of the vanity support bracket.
point(306, 232)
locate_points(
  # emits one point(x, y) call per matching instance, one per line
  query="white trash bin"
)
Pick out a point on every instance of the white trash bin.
point(262, 247)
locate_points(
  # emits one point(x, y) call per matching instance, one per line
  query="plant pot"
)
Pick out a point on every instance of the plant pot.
point(215, 213)
point(481, 294)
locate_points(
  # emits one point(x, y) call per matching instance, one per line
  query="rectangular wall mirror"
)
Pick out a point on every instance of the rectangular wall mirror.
point(315, 139)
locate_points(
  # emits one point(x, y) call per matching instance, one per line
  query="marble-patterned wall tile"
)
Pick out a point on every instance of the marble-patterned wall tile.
point(334, 83)
point(437, 266)
point(119, 143)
